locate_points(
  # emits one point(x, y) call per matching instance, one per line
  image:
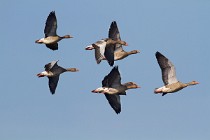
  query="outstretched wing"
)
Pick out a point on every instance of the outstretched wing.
point(50, 65)
point(53, 81)
point(51, 25)
point(113, 31)
point(114, 101)
point(109, 53)
point(167, 69)
point(99, 52)
point(115, 35)
point(53, 46)
point(113, 79)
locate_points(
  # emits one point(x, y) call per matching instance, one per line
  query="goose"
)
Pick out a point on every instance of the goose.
point(115, 50)
point(119, 53)
point(112, 88)
point(104, 49)
point(169, 76)
point(51, 38)
point(53, 71)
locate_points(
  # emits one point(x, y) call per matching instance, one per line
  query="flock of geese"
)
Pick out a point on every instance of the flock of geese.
point(109, 49)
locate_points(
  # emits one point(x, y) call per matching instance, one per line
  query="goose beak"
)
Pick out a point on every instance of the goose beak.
point(138, 87)
point(94, 91)
point(97, 91)
point(40, 75)
point(196, 82)
point(89, 48)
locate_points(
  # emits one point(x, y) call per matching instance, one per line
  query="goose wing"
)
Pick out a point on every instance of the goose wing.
point(113, 31)
point(109, 53)
point(51, 25)
point(53, 46)
point(113, 79)
point(167, 69)
point(115, 35)
point(114, 101)
point(50, 65)
point(99, 51)
point(104, 50)
point(53, 81)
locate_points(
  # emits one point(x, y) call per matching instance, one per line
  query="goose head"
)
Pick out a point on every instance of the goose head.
point(40, 41)
point(122, 42)
point(72, 69)
point(45, 73)
point(131, 85)
point(193, 83)
point(67, 36)
point(90, 47)
point(135, 51)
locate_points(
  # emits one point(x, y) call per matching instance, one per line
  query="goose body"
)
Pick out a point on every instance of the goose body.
point(119, 52)
point(53, 71)
point(169, 76)
point(115, 52)
point(51, 38)
point(112, 88)
point(104, 49)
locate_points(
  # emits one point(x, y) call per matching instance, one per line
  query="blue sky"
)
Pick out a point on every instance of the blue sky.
point(178, 29)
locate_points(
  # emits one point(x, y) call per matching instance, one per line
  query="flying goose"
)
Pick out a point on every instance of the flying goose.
point(104, 49)
point(112, 88)
point(51, 37)
point(119, 53)
point(110, 51)
point(169, 76)
point(53, 71)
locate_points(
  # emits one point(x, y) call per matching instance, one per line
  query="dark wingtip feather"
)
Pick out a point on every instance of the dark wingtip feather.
point(114, 23)
point(115, 67)
point(164, 94)
point(52, 46)
point(111, 63)
point(52, 89)
point(52, 13)
point(52, 92)
point(158, 53)
point(117, 112)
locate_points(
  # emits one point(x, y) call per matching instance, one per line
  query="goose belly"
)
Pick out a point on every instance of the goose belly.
point(51, 40)
point(106, 90)
point(162, 89)
point(166, 89)
point(119, 55)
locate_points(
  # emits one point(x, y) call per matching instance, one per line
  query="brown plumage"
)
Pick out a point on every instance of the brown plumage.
point(114, 34)
point(53, 71)
point(113, 53)
point(104, 50)
point(51, 37)
point(112, 88)
point(169, 76)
